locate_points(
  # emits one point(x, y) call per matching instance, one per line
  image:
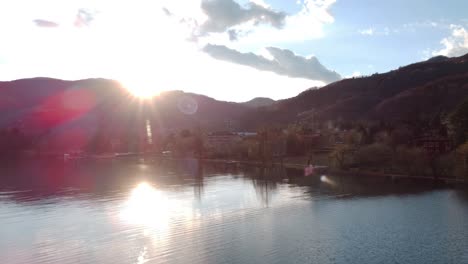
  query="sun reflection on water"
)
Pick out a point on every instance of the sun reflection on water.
point(148, 207)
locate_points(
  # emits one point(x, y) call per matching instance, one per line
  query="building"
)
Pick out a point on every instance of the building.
point(434, 144)
point(222, 139)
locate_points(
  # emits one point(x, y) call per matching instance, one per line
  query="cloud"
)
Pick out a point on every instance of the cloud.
point(45, 23)
point(415, 26)
point(84, 17)
point(306, 24)
point(354, 74)
point(166, 11)
point(282, 62)
point(233, 35)
point(456, 44)
point(146, 40)
point(386, 31)
point(252, 23)
point(224, 14)
point(369, 32)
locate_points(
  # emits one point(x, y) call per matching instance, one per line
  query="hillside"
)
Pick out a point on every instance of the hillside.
point(424, 88)
point(259, 102)
point(44, 105)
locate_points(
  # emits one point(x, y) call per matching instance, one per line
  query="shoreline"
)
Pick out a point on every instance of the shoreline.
point(354, 173)
point(287, 165)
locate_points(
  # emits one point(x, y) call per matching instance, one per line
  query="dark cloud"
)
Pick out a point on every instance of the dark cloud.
point(233, 34)
point(167, 12)
point(225, 14)
point(84, 17)
point(45, 23)
point(285, 62)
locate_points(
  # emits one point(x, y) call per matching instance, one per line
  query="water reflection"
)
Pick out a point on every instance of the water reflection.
point(50, 181)
point(264, 183)
point(148, 207)
point(163, 211)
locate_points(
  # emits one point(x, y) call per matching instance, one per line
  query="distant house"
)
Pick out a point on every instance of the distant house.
point(434, 144)
point(310, 138)
point(222, 139)
point(227, 143)
point(247, 134)
point(222, 136)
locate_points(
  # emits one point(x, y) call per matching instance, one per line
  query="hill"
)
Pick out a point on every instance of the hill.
point(414, 91)
point(259, 102)
point(92, 107)
point(99, 106)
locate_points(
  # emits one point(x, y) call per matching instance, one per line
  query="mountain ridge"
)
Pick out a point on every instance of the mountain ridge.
point(259, 102)
point(423, 88)
point(358, 98)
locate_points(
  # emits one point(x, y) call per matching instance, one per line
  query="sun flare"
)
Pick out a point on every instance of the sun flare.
point(141, 89)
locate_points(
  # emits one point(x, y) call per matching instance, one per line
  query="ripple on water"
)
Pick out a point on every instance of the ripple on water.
point(226, 218)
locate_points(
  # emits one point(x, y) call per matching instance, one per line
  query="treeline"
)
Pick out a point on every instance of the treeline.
point(392, 147)
point(437, 147)
point(13, 142)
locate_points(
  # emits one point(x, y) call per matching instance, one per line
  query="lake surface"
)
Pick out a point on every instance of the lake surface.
point(135, 211)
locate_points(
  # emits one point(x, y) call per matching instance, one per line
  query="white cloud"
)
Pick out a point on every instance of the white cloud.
point(282, 62)
point(224, 15)
point(45, 23)
point(138, 44)
point(456, 44)
point(261, 3)
point(354, 74)
point(374, 32)
point(314, 13)
point(425, 24)
point(369, 32)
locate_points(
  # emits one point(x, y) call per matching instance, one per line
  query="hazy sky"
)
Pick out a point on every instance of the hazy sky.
point(228, 49)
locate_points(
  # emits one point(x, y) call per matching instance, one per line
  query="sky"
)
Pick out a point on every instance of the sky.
point(231, 50)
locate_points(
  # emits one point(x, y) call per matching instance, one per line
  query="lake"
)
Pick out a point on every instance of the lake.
point(149, 211)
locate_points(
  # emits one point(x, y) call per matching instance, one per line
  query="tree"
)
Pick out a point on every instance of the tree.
point(185, 133)
point(401, 135)
point(198, 144)
point(340, 155)
point(353, 137)
point(294, 144)
point(377, 155)
point(458, 123)
point(13, 142)
point(410, 161)
point(462, 160)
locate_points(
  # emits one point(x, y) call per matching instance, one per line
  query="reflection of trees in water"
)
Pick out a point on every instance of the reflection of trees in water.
point(49, 179)
point(106, 179)
point(223, 168)
point(347, 186)
point(462, 194)
point(265, 182)
point(198, 186)
point(103, 180)
point(191, 169)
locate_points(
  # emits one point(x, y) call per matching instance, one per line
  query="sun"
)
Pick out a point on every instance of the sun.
point(141, 88)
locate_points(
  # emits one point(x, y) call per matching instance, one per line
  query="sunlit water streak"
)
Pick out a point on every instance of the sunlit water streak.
point(123, 212)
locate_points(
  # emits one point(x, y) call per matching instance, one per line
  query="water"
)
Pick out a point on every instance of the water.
point(130, 211)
